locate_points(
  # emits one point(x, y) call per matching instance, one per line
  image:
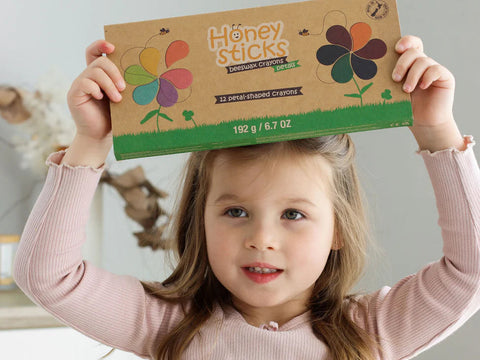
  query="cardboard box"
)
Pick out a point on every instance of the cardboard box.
point(256, 75)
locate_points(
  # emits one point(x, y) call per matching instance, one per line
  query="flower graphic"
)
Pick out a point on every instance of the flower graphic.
point(163, 87)
point(351, 53)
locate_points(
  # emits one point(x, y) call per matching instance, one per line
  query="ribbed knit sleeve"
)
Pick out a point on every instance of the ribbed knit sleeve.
point(424, 308)
point(109, 308)
point(407, 318)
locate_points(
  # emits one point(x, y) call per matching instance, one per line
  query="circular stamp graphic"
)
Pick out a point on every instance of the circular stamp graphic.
point(377, 9)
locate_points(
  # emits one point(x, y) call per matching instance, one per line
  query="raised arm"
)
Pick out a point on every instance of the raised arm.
point(49, 268)
point(424, 308)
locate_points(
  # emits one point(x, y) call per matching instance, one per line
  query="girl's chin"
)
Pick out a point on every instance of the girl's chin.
point(252, 299)
point(258, 302)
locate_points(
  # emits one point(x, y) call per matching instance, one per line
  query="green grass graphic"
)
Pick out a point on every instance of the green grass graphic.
point(240, 132)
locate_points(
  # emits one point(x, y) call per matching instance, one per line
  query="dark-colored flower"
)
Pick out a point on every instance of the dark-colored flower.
point(351, 53)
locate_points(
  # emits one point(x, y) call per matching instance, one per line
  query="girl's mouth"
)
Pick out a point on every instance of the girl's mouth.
point(261, 270)
point(261, 275)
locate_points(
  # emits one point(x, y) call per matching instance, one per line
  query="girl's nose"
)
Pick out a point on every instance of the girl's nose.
point(261, 237)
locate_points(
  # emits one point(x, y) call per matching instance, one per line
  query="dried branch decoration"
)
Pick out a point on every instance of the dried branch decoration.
point(40, 119)
point(142, 205)
point(12, 108)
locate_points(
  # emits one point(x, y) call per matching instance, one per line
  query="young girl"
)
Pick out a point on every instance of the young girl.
point(270, 240)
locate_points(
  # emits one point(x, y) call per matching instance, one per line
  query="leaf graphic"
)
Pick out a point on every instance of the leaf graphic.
point(353, 95)
point(165, 116)
point(365, 88)
point(149, 116)
point(387, 94)
point(188, 115)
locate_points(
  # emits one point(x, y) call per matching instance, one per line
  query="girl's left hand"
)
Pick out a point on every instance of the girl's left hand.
point(432, 88)
point(430, 84)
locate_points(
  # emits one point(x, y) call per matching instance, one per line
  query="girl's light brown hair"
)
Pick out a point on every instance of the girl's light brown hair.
point(194, 285)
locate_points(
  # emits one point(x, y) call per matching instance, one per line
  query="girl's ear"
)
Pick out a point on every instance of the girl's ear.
point(337, 242)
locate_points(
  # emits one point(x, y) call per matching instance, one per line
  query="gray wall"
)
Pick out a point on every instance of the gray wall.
point(39, 35)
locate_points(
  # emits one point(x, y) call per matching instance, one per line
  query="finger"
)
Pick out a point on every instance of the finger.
point(436, 74)
point(82, 90)
point(409, 42)
point(90, 87)
point(404, 63)
point(416, 71)
point(97, 49)
point(100, 77)
point(111, 70)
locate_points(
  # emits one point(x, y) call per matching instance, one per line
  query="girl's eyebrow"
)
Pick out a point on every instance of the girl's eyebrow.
point(226, 197)
point(232, 197)
point(301, 200)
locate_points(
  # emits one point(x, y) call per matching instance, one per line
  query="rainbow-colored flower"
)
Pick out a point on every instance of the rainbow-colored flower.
point(163, 87)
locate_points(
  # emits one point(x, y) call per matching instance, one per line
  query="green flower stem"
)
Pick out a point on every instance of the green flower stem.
point(359, 91)
point(158, 115)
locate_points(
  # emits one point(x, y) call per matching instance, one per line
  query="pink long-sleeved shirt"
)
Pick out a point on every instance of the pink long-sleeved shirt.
point(409, 317)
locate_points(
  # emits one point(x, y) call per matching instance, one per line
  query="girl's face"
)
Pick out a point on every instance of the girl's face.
point(269, 231)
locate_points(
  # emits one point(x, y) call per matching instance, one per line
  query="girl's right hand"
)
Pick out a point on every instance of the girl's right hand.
point(88, 102)
point(86, 98)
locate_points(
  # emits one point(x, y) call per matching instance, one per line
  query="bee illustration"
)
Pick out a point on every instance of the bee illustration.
point(379, 6)
point(164, 31)
point(304, 32)
point(377, 9)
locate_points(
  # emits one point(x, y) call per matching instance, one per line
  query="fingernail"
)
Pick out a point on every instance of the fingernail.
point(117, 97)
point(407, 88)
point(397, 77)
point(121, 85)
point(106, 48)
point(400, 47)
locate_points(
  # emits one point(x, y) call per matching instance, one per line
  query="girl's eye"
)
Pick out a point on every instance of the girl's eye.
point(292, 215)
point(236, 212)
